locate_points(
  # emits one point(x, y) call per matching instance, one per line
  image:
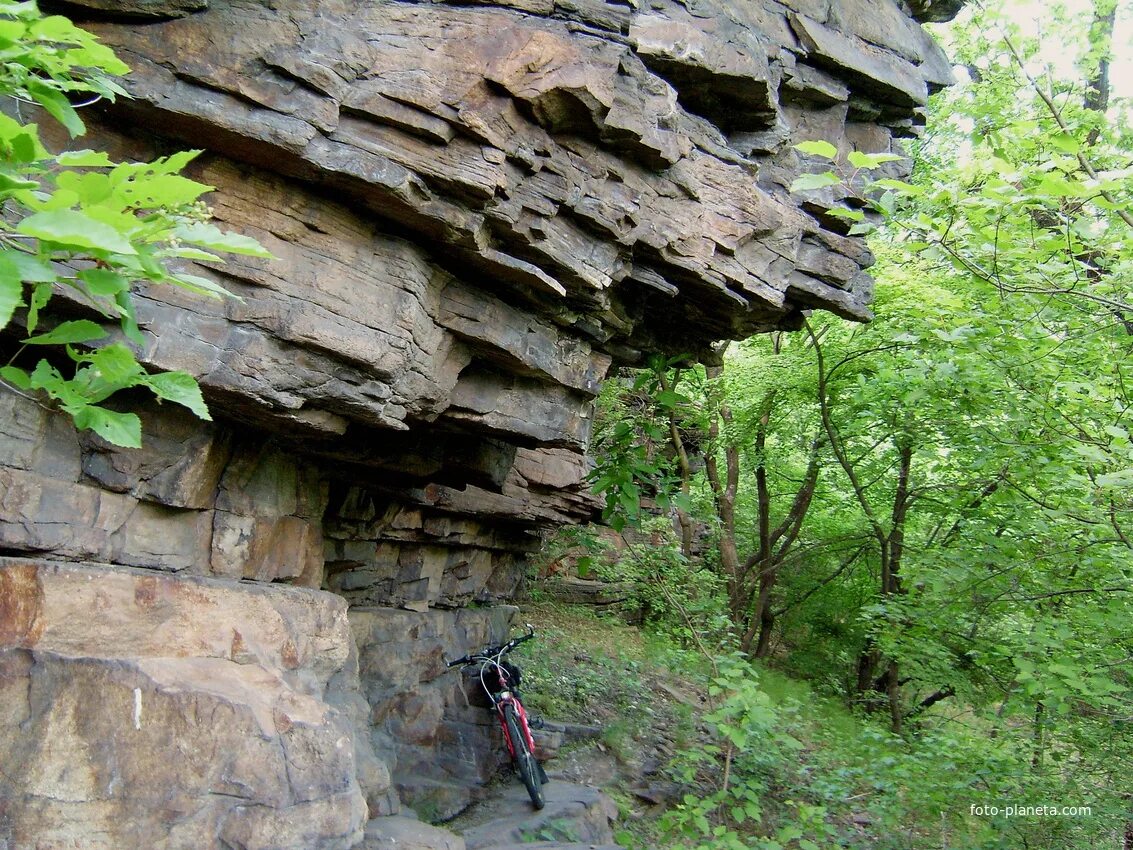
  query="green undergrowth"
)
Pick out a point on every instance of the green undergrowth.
point(586, 669)
point(731, 755)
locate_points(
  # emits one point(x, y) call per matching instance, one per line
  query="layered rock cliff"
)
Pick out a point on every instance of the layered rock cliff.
point(476, 209)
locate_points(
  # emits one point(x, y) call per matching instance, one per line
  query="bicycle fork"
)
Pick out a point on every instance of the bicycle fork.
point(506, 698)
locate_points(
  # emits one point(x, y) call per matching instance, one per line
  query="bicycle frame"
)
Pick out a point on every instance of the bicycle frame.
point(510, 711)
point(503, 696)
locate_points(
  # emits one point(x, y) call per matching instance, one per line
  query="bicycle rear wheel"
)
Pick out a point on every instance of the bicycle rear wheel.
point(524, 758)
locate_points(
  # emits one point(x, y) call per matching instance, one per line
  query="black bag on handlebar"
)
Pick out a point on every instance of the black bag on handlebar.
point(513, 674)
point(491, 678)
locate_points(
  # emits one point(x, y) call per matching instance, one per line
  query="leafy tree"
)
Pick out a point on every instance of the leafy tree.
point(82, 228)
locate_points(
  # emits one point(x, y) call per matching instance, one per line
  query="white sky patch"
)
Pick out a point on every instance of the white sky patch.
point(1031, 19)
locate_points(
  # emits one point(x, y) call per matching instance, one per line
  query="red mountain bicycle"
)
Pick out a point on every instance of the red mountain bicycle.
point(499, 679)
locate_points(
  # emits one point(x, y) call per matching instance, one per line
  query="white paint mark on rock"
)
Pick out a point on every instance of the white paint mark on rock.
point(137, 708)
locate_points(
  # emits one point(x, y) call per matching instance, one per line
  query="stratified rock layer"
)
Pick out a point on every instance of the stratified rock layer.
point(476, 209)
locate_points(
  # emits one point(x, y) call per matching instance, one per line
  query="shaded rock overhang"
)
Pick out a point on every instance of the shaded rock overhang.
point(477, 209)
point(617, 169)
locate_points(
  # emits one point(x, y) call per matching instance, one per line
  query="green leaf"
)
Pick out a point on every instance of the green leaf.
point(181, 388)
point(129, 318)
point(175, 162)
point(196, 283)
point(193, 254)
point(166, 190)
point(81, 330)
point(806, 182)
point(57, 105)
point(46, 377)
point(14, 182)
point(74, 229)
point(898, 186)
point(845, 212)
point(31, 268)
point(115, 364)
point(1053, 185)
point(871, 160)
point(887, 203)
point(25, 145)
point(1064, 142)
point(818, 148)
point(1121, 478)
point(40, 295)
point(18, 378)
point(90, 188)
point(11, 289)
point(670, 398)
point(121, 429)
point(85, 159)
point(214, 239)
point(11, 32)
point(103, 282)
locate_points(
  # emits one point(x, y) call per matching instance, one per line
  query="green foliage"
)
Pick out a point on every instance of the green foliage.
point(880, 193)
point(83, 227)
point(803, 773)
point(675, 596)
point(752, 745)
point(577, 549)
point(631, 444)
point(970, 522)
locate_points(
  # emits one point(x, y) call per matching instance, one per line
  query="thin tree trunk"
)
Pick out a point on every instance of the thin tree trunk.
point(1037, 737)
point(683, 519)
point(762, 559)
point(724, 495)
point(779, 544)
point(1101, 44)
point(890, 544)
point(894, 696)
point(891, 570)
point(867, 664)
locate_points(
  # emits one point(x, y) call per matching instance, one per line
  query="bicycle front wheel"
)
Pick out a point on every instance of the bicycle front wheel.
point(524, 758)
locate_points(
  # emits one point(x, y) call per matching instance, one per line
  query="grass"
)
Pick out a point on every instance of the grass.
point(582, 668)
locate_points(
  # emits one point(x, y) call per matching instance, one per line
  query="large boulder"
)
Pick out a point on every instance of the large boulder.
point(139, 709)
point(432, 724)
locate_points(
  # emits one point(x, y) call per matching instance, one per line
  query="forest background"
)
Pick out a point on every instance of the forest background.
point(927, 517)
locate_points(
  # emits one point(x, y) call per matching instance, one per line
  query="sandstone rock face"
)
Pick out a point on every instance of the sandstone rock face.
point(476, 209)
point(141, 709)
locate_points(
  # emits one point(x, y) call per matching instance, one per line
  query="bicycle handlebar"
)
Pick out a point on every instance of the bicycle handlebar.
point(493, 651)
